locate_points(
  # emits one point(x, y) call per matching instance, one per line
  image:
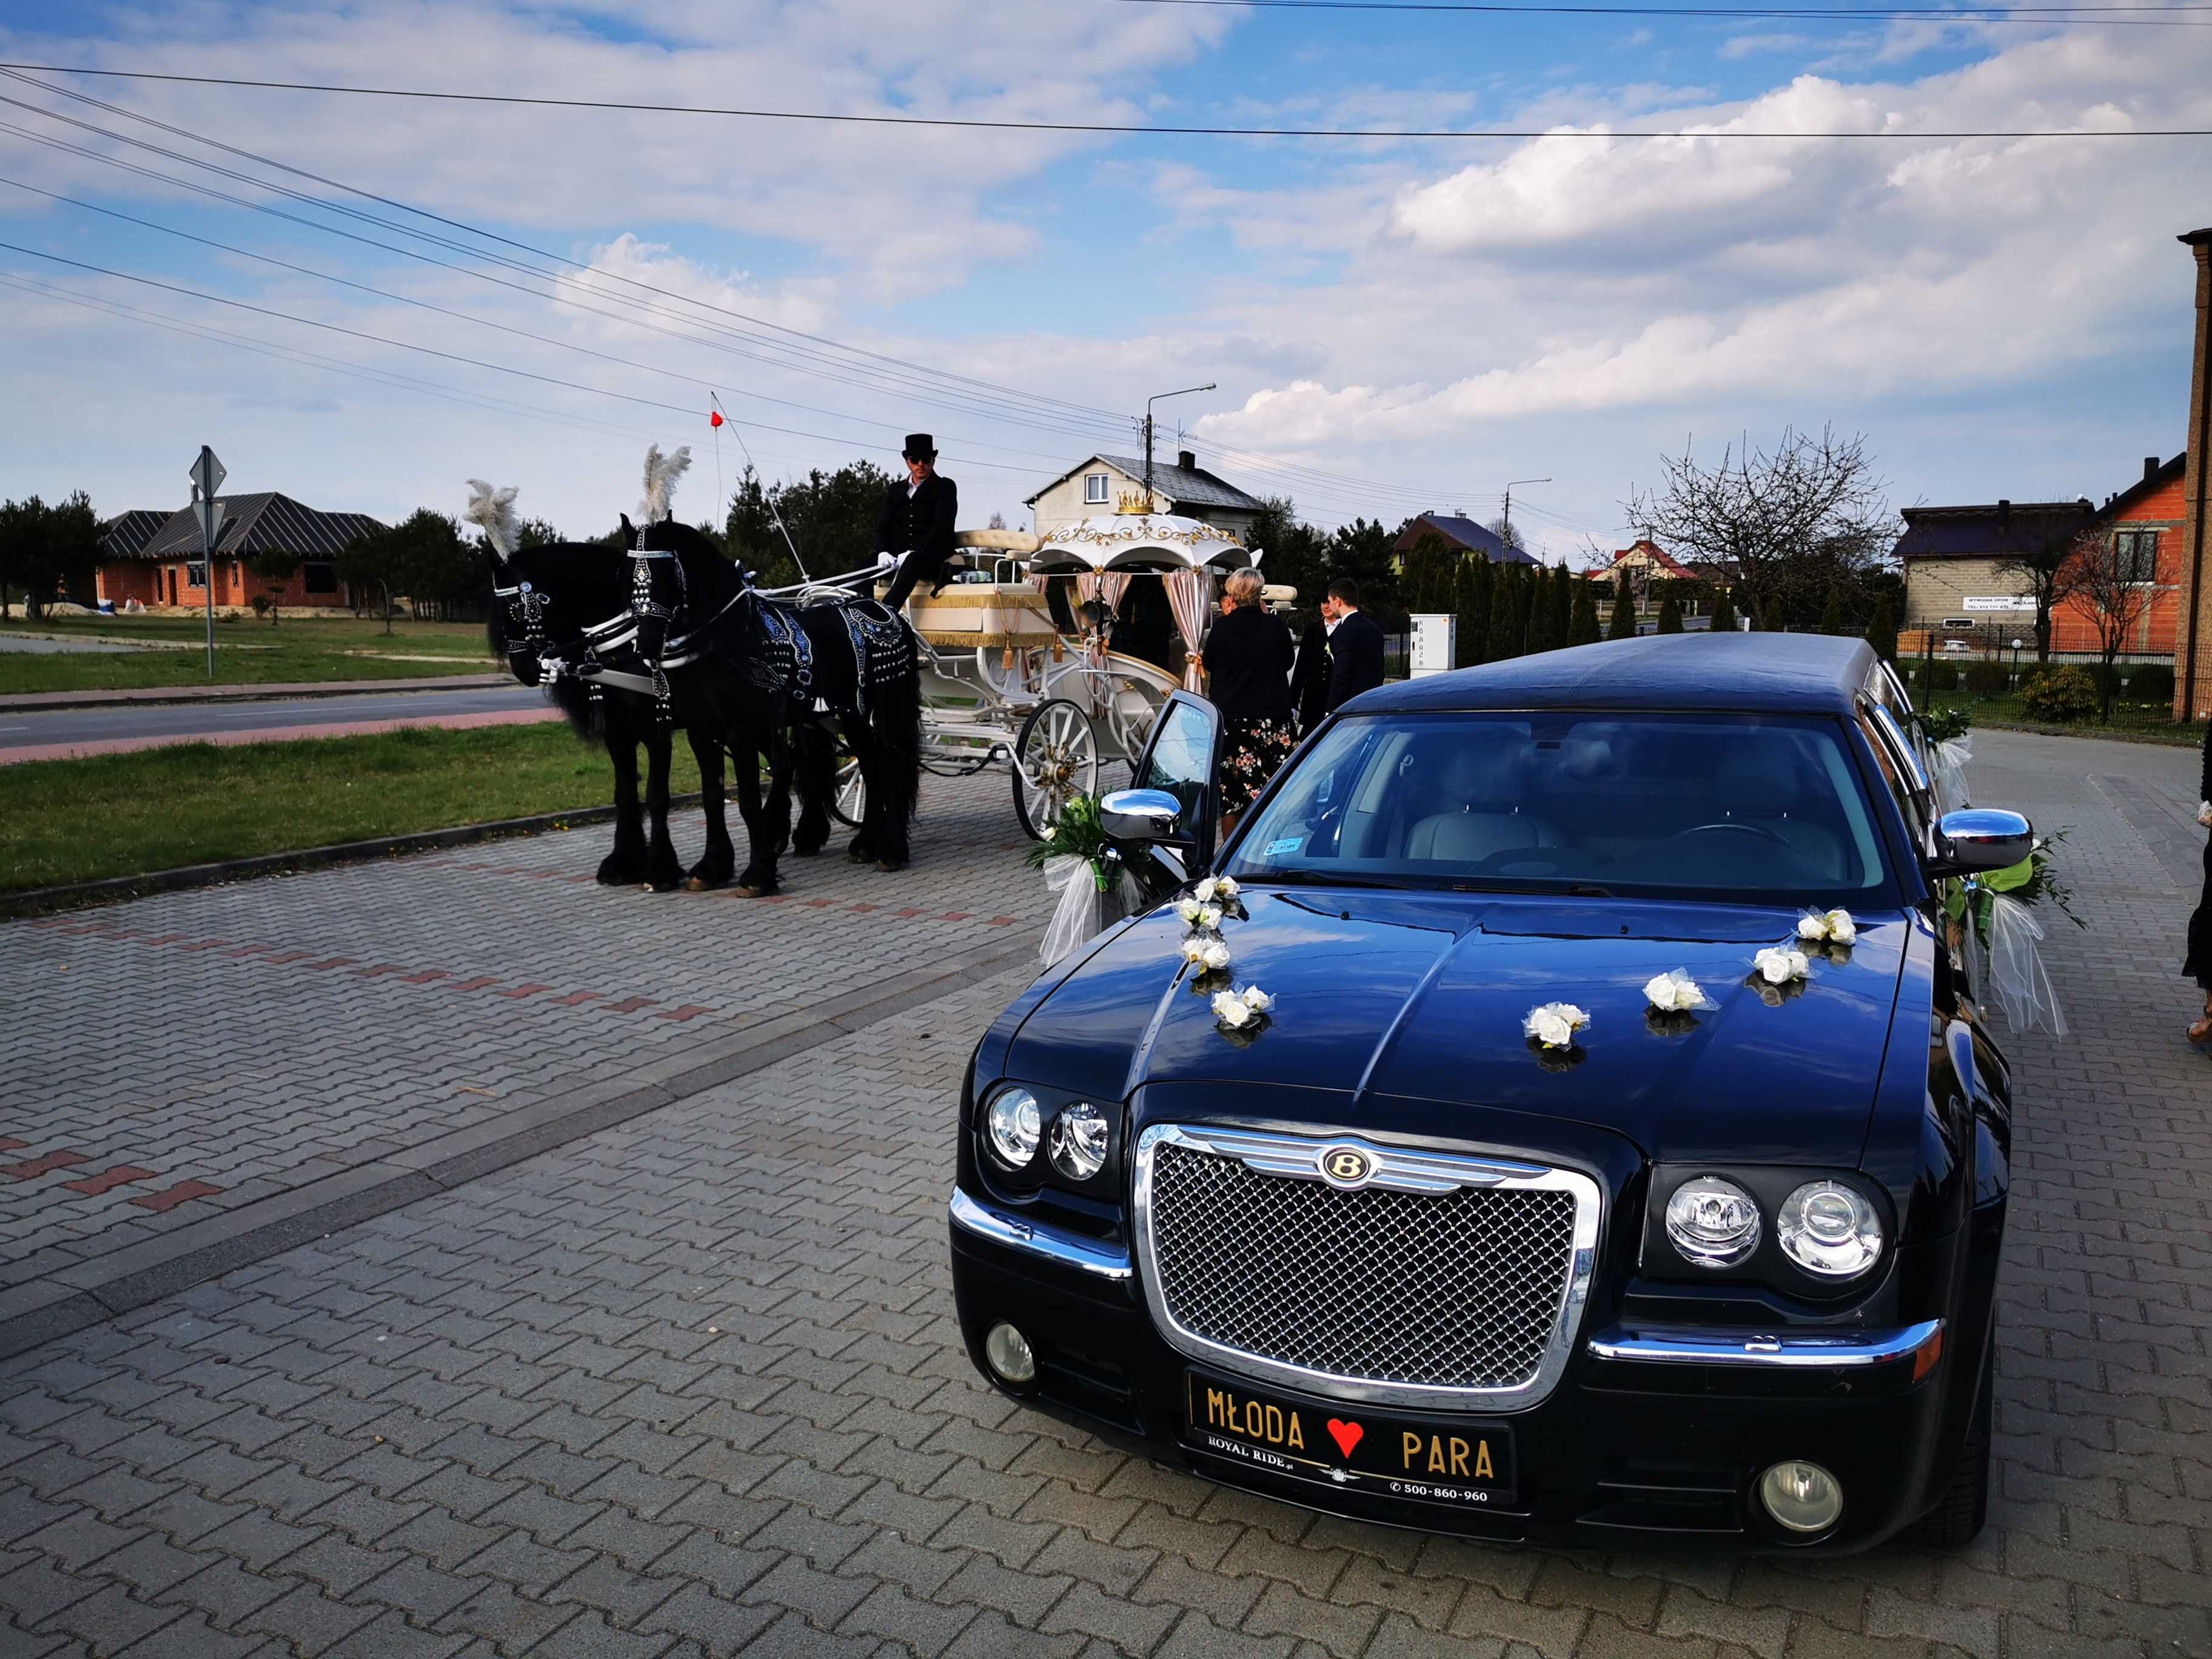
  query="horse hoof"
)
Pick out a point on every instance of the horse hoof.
point(890, 866)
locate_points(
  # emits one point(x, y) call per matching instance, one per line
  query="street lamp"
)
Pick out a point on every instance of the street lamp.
point(1149, 402)
point(1505, 534)
point(2016, 644)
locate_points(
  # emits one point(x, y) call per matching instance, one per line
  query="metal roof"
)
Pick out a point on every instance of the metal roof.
point(1762, 673)
point(1183, 486)
point(265, 522)
point(123, 536)
point(1468, 534)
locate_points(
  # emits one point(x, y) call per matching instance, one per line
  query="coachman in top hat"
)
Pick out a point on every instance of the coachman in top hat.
point(915, 527)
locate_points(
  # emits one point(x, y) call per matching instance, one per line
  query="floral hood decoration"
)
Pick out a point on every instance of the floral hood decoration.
point(1240, 1012)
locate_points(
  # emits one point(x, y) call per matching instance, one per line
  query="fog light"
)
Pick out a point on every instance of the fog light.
point(1803, 1496)
point(1008, 1352)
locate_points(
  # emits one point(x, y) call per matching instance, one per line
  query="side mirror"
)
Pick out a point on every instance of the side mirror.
point(1148, 816)
point(1977, 838)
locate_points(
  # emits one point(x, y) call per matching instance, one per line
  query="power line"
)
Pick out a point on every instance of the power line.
point(2096, 16)
point(1132, 129)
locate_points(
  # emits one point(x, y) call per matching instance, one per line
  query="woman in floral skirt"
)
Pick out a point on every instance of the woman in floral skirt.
point(1247, 664)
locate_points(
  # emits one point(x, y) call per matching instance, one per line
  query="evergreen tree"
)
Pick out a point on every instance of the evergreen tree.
point(1502, 638)
point(1769, 615)
point(1623, 624)
point(1882, 634)
point(1831, 614)
point(1670, 615)
point(1724, 614)
point(1544, 633)
point(1582, 630)
point(1473, 608)
point(1563, 604)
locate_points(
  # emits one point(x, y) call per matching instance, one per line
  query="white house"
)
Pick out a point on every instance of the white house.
point(1104, 482)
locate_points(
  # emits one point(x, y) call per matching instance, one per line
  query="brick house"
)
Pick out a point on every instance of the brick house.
point(1955, 583)
point(154, 557)
point(2143, 522)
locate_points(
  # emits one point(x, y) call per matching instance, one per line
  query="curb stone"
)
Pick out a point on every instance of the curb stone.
point(70, 1297)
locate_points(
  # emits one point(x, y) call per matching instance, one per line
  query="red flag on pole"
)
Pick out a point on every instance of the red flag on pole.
point(714, 417)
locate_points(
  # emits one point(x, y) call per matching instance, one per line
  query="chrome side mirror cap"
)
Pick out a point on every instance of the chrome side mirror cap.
point(1979, 838)
point(1146, 817)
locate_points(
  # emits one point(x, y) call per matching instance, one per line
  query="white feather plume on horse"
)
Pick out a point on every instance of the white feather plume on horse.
point(492, 512)
point(661, 472)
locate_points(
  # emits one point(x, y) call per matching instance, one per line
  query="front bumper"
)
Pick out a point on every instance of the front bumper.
point(1650, 1431)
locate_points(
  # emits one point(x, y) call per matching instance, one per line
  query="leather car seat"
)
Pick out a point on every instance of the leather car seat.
point(1479, 789)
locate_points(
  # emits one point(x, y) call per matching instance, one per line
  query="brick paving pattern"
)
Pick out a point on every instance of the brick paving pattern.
point(181, 1036)
point(692, 1386)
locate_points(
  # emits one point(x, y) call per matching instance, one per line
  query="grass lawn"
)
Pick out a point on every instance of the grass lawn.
point(2137, 722)
point(121, 815)
point(248, 652)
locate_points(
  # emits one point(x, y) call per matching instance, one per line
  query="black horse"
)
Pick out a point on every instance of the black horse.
point(546, 595)
point(728, 650)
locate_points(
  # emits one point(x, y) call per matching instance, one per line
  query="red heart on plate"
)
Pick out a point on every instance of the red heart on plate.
point(1346, 1435)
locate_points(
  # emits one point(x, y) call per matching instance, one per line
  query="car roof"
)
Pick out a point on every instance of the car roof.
point(1767, 674)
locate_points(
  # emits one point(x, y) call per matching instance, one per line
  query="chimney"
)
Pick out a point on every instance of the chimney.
point(2150, 468)
point(2004, 515)
point(1185, 460)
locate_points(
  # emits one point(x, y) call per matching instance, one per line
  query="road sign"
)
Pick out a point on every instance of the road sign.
point(207, 476)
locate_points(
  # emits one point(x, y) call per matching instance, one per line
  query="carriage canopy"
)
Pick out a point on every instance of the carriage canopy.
point(1135, 542)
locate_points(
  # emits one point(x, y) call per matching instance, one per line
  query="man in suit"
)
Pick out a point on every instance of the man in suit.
point(915, 526)
point(1309, 675)
point(1355, 645)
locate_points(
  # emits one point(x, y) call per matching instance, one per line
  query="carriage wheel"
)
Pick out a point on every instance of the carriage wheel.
point(1055, 760)
point(848, 795)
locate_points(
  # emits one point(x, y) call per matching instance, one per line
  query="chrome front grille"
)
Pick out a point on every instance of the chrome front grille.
point(1426, 1279)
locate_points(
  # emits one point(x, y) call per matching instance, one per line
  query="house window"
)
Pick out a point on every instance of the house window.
point(196, 574)
point(2135, 553)
point(1094, 489)
point(320, 575)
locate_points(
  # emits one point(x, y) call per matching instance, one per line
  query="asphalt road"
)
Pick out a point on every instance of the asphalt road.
point(173, 722)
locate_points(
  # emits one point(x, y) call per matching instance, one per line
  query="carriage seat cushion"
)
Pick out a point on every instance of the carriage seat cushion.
point(1470, 837)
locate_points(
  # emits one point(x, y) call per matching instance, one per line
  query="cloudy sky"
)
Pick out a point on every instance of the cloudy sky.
point(388, 296)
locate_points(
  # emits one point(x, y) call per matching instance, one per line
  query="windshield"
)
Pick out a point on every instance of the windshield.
point(1754, 808)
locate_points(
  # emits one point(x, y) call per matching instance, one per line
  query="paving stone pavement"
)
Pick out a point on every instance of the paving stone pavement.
point(159, 1053)
point(693, 1386)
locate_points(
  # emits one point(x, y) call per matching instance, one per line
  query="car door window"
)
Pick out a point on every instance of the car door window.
point(1179, 760)
point(1896, 773)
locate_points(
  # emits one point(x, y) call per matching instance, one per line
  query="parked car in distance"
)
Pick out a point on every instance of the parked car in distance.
point(1726, 1274)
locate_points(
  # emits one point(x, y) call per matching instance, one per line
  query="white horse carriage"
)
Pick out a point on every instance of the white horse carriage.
point(1034, 657)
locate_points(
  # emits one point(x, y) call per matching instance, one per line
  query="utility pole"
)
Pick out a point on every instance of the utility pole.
point(1149, 402)
point(1506, 534)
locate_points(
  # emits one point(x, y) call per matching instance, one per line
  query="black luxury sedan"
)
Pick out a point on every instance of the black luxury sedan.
point(1554, 1115)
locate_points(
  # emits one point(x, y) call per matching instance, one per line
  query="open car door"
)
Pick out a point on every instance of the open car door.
point(1178, 762)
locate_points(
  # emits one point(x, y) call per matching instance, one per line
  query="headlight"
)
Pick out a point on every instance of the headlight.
point(1829, 1229)
point(1713, 1223)
point(1079, 1135)
point(1012, 1125)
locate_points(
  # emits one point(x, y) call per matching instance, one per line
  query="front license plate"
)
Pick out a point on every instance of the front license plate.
point(1459, 1462)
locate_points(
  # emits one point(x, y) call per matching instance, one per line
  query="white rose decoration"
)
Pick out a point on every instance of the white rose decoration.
point(1225, 889)
point(1205, 890)
point(1188, 909)
point(1194, 950)
point(1675, 992)
point(1050, 832)
point(1215, 956)
point(1232, 1011)
point(1554, 1025)
point(1842, 930)
point(1811, 926)
point(1209, 917)
point(1256, 999)
point(1777, 965)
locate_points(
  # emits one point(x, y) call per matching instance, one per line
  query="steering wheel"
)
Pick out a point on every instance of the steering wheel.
point(1736, 827)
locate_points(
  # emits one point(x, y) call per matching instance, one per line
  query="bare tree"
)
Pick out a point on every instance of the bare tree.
point(2035, 549)
point(1795, 521)
point(2112, 583)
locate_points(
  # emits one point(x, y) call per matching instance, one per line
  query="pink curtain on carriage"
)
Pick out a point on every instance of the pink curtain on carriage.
point(1190, 594)
point(1108, 586)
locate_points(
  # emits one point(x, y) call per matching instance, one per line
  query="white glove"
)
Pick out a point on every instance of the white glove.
point(886, 562)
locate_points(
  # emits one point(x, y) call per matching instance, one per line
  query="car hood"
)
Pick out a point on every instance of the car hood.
point(1384, 998)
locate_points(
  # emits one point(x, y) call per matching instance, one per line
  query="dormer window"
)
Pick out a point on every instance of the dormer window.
point(1094, 489)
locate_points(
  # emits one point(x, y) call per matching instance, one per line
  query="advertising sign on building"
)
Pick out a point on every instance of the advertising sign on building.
point(1997, 601)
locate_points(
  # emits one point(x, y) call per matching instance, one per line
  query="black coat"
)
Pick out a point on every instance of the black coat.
point(922, 521)
point(1310, 679)
point(1355, 659)
point(1247, 664)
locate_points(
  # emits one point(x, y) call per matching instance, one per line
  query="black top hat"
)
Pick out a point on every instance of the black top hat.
point(919, 447)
